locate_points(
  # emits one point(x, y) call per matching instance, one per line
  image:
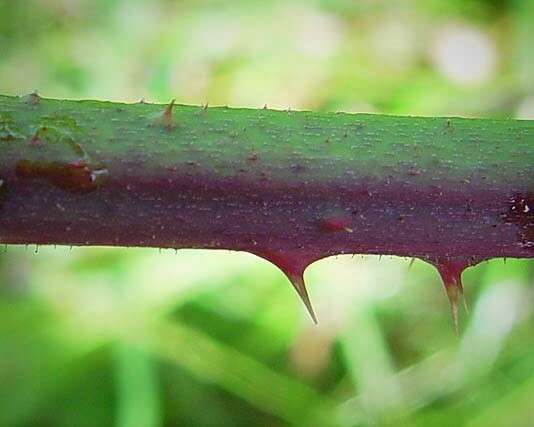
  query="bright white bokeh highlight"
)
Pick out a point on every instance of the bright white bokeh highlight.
point(464, 55)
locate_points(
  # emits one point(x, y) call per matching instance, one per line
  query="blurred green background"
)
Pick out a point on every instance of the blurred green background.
point(148, 338)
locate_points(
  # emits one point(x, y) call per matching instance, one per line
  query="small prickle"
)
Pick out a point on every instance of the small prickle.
point(32, 98)
point(165, 119)
point(167, 115)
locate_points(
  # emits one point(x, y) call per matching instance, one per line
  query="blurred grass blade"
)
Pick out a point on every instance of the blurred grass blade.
point(137, 388)
point(236, 373)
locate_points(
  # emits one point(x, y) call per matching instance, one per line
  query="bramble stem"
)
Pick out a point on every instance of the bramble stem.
point(292, 187)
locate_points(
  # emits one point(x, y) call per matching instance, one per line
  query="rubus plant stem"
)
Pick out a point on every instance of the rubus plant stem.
point(291, 187)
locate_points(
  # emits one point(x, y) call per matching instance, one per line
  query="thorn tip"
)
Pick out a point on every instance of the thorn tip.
point(32, 98)
point(165, 119)
point(453, 295)
point(300, 287)
point(450, 269)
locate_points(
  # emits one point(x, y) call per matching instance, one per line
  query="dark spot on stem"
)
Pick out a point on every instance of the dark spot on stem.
point(334, 223)
point(36, 140)
point(297, 168)
point(76, 177)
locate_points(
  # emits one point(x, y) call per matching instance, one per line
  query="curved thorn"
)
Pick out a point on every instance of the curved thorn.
point(450, 271)
point(293, 264)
